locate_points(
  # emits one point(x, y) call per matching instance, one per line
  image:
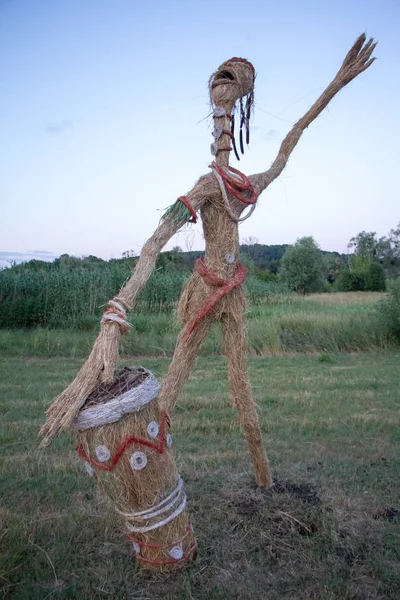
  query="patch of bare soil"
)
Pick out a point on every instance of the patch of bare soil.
point(282, 543)
point(387, 514)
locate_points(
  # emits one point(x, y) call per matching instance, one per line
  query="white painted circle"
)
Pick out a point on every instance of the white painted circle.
point(103, 454)
point(176, 552)
point(152, 429)
point(230, 258)
point(169, 440)
point(89, 469)
point(138, 461)
point(136, 547)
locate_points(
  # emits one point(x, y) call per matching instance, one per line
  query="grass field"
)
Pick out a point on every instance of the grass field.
point(284, 324)
point(329, 529)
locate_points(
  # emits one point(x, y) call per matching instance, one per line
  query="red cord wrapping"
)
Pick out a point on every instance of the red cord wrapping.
point(130, 440)
point(242, 60)
point(190, 208)
point(236, 186)
point(224, 287)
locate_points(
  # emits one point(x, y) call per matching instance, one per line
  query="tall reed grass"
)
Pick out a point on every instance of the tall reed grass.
point(62, 298)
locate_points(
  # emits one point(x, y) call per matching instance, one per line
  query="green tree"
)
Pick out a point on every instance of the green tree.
point(172, 260)
point(302, 266)
point(365, 245)
point(385, 250)
point(391, 256)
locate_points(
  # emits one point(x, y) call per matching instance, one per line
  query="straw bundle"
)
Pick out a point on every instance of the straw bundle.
point(123, 436)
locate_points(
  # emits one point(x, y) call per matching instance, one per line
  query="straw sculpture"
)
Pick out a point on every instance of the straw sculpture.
point(214, 293)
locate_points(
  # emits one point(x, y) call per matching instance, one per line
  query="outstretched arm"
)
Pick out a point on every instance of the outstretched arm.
point(101, 363)
point(357, 60)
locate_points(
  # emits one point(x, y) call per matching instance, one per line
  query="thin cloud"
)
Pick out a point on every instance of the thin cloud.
point(8, 257)
point(58, 126)
point(271, 134)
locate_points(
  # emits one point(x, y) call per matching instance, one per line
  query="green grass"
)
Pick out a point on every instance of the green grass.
point(283, 324)
point(331, 428)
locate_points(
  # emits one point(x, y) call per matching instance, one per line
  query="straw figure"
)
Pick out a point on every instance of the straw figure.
point(214, 292)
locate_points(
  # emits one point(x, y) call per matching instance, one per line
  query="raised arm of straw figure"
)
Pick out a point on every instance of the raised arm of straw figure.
point(215, 291)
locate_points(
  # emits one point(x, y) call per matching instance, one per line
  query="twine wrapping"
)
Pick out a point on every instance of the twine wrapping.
point(131, 401)
point(236, 182)
point(185, 201)
point(132, 439)
point(224, 287)
point(225, 198)
point(117, 313)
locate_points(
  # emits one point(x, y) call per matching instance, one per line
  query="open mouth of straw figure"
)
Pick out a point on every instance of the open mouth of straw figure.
point(223, 78)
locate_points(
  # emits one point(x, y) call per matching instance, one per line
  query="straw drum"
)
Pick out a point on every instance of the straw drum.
point(124, 438)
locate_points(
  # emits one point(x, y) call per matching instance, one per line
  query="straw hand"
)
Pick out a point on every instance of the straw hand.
point(357, 60)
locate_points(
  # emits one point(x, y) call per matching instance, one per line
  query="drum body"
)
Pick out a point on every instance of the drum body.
point(124, 438)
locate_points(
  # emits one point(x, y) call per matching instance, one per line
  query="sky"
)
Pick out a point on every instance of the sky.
point(104, 122)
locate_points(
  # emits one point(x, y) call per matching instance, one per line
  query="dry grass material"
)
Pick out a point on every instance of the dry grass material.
point(235, 347)
point(346, 298)
point(131, 491)
point(230, 83)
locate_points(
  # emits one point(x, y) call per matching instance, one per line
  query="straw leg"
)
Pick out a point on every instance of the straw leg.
point(185, 355)
point(235, 349)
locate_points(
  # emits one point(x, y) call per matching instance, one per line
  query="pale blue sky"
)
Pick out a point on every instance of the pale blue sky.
point(102, 102)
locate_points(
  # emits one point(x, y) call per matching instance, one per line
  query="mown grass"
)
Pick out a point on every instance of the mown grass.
point(285, 324)
point(328, 530)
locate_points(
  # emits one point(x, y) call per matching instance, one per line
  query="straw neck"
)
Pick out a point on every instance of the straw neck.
point(222, 141)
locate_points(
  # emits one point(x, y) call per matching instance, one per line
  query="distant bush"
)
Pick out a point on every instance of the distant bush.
point(375, 278)
point(388, 310)
point(361, 276)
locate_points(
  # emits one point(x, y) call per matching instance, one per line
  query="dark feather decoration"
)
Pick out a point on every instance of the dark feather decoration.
point(249, 104)
point(233, 136)
point(242, 119)
point(245, 113)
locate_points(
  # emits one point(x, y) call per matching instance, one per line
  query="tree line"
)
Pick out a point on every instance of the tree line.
point(302, 267)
